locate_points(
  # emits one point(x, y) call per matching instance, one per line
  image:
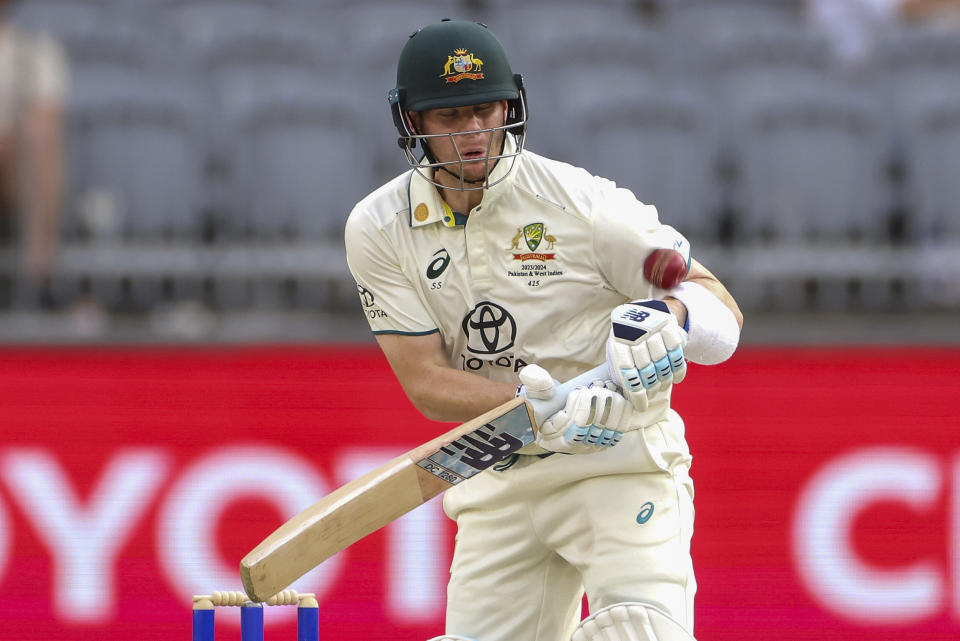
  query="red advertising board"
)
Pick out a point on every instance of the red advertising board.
point(827, 480)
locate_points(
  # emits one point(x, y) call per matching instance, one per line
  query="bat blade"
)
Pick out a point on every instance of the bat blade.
point(384, 494)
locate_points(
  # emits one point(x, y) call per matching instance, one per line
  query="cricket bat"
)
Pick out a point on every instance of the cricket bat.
point(383, 495)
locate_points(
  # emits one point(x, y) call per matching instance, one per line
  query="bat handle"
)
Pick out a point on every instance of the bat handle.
point(555, 404)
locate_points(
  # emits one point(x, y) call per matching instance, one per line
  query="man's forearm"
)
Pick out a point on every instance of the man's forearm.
point(42, 188)
point(446, 394)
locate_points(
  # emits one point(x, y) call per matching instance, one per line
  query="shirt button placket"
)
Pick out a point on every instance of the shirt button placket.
point(477, 255)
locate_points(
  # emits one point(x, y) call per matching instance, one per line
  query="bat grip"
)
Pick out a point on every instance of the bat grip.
point(553, 405)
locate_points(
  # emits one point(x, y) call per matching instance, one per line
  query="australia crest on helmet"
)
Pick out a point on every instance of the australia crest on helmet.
point(462, 65)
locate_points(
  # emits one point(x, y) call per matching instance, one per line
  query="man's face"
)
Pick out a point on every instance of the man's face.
point(472, 148)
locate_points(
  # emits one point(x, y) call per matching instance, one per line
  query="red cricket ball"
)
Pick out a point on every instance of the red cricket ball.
point(665, 268)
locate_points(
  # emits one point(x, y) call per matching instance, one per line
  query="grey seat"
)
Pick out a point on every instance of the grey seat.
point(61, 18)
point(88, 30)
point(301, 164)
point(741, 71)
point(574, 52)
point(931, 143)
point(661, 145)
point(736, 67)
point(812, 167)
point(368, 37)
point(729, 17)
point(197, 24)
point(235, 69)
point(918, 63)
point(132, 140)
point(920, 68)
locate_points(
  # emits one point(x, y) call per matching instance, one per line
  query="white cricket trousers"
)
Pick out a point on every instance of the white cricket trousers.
point(533, 537)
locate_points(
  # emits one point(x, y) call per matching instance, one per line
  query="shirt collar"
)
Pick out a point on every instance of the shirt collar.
point(427, 207)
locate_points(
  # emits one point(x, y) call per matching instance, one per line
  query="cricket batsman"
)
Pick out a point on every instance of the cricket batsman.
point(487, 271)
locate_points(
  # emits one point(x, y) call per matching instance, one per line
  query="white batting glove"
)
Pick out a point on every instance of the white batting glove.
point(538, 387)
point(645, 350)
point(593, 418)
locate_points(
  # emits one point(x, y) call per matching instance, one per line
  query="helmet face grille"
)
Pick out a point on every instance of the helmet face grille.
point(427, 165)
point(452, 64)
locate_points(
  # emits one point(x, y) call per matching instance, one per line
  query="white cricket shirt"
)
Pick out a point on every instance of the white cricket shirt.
point(529, 276)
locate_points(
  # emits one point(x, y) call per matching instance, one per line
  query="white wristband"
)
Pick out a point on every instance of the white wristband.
point(712, 329)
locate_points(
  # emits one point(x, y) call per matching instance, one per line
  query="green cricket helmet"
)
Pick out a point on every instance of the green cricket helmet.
point(454, 64)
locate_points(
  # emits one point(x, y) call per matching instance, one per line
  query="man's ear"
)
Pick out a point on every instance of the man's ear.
point(413, 119)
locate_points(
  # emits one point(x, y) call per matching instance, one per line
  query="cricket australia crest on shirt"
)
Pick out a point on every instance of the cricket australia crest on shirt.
point(462, 66)
point(538, 248)
point(535, 237)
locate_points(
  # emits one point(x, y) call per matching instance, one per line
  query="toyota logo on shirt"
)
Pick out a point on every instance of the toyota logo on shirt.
point(490, 329)
point(366, 296)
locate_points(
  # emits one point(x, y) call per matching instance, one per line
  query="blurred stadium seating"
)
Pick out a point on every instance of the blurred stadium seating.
point(216, 146)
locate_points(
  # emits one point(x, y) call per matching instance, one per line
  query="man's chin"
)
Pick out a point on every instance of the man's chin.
point(478, 169)
point(475, 178)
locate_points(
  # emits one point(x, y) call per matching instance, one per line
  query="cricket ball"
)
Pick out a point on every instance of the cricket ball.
point(665, 268)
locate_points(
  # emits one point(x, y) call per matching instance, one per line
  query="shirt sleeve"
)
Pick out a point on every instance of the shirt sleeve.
point(625, 232)
point(49, 77)
point(389, 299)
